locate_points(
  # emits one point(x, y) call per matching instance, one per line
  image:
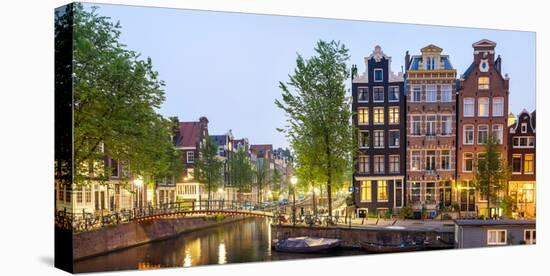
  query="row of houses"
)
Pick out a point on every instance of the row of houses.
point(421, 130)
point(124, 192)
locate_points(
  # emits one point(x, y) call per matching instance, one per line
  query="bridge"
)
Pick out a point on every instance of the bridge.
point(84, 221)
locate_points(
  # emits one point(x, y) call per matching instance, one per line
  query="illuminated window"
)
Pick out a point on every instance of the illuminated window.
point(430, 192)
point(526, 193)
point(415, 192)
point(394, 115)
point(378, 115)
point(363, 115)
point(483, 83)
point(362, 94)
point(366, 191)
point(496, 237)
point(483, 107)
point(382, 190)
point(416, 160)
point(528, 164)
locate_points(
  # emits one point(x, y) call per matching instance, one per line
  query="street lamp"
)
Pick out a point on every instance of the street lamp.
point(293, 181)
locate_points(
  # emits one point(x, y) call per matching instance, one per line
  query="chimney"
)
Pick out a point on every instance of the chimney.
point(498, 63)
point(407, 61)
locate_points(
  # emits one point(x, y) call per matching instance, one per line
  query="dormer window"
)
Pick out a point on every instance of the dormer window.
point(523, 127)
point(430, 63)
point(378, 75)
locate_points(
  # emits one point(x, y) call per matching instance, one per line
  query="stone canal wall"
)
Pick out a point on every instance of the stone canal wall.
point(353, 237)
point(112, 238)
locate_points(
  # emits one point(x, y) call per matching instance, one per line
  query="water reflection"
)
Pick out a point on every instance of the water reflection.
point(244, 241)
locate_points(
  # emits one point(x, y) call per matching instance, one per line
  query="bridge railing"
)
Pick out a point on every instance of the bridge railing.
point(86, 221)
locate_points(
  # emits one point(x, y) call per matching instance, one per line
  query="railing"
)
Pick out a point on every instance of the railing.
point(86, 221)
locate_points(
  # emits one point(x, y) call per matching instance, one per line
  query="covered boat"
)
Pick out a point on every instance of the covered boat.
point(390, 248)
point(306, 245)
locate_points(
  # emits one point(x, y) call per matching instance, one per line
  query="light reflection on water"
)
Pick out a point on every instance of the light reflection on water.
point(244, 241)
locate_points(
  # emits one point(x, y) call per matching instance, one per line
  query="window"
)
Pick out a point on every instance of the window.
point(445, 158)
point(482, 134)
point(394, 94)
point(378, 164)
point(394, 138)
point(394, 115)
point(516, 163)
point(483, 83)
point(362, 94)
point(526, 193)
point(446, 122)
point(364, 139)
point(394, 163)
point(497, 133)
point(378, 115)
point(378, 138)
point(363, 115)
point(61, 195)
point(446, 93)
point(468, 162)
point(417, 93)
point(430, 192)
point(483, 107)
point(524, 142)
point(528, 162)
point(114, 168)
point(468, 135)
point(79, 196)
point(88, 195)
point(430, 160)
point(416, 160)
point(364, 164)
point(190, 156)
point(468, 107)
point(366, 191)
point(382, 190)
point(530, 236)
point(496, 237)
point(416, 127)
point(378, 94)
point(498, 106)
point(430, 125)
point(415, 192)
point(398, 193)
point(523, 127)
point(431, 91)
point(378, 75)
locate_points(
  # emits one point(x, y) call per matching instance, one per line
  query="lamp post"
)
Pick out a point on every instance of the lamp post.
point(293, 181)
point(458, 198)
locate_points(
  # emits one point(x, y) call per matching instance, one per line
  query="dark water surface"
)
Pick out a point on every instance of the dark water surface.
point(237, 242)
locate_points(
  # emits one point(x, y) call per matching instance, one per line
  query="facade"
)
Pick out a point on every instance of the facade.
point(431, 130)
point(487, 233)
point(379, 115)
point(522, 157)
point(482, 111)
point(190, 137)
point(225, 149)
point(263, 163)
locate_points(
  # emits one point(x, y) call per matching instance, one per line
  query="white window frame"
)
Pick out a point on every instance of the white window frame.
point(375, 116)
point(361, 139)
point(446, 89)
point(390, 92)
point(432, 123)
point(498, 105)
point(470, 102)
point(531, 240)
point(398, 135)
point(464, 140)
point(523, 127)
point(367, 91)
point(500, 135)
point(373, 94)
point(498, 231)
point(381, 170)
point(358, 117)
point(380, 140)
point(374, 75)
point(419, 122)
point(428, 92)
point(485, 103)
point(449, 123)
point(187, 157)
point(464, 162)
point(419, 161)
point(390, 164)
point(390, 113)
point(478, 134)
point(416, 88)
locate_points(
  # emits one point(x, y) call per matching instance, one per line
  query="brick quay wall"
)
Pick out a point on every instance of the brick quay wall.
point(117, 237)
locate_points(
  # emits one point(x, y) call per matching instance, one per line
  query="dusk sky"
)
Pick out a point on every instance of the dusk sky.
point(227, 66)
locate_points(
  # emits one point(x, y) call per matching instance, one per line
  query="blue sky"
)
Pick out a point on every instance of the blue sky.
point(227, 66)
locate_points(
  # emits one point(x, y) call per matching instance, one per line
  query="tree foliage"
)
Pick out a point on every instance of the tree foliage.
point(116, 98)
point(240, 171)
point(208, 167)
point(319, 116)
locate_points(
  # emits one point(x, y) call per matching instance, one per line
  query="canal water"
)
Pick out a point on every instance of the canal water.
point(237, 242)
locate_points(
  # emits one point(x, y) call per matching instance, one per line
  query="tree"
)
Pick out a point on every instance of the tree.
point(208, 167)
point(241, 172)
point(116, 95)
point(276, 183)
point(262, 173)
point(491, 174)
point(319, 114)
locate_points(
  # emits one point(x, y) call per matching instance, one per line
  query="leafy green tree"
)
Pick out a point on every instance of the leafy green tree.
point(262, 173)
point(208, 167)
point(276, 183)
point(240, 171)
point(116, 95)
point(319, 113)
point(491, 174)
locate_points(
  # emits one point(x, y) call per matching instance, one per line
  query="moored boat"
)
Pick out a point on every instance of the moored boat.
point(305, 245)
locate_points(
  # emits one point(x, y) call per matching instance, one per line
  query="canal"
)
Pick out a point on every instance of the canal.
point(243, 241)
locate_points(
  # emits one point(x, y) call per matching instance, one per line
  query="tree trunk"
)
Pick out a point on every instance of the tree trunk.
point(329, 176)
